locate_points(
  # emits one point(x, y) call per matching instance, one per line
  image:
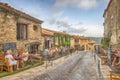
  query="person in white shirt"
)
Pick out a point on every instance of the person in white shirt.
point(25, 55)
point(11, 60)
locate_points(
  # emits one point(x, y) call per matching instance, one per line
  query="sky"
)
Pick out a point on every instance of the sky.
point(77, 17)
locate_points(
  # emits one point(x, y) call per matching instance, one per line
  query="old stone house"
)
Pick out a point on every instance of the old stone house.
point(47, 38)
point(81, 42)
point(51, 39)
point(18, 29)
point(62, 39)
point(72, 41)
point(76, 42)
point(91, 44)
point(111, 22)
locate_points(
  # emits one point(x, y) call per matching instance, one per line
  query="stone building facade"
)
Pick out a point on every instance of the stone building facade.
point(76, 42)
point(111, 21)
point(72, 42)
point(82, 42)
point(18, 29)
point(47, 38)
point(62, 39)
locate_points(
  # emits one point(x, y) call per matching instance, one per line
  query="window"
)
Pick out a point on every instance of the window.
point(35, 28)
point(21, 31)
point(32, 48)
point(76, 40)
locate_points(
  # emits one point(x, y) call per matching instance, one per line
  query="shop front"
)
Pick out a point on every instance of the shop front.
point(33, 47)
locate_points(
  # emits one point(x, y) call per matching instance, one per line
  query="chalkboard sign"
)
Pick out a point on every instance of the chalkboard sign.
point(8, 46)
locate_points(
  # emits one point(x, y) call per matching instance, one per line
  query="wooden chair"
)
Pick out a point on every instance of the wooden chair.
point(1, 63)
point(7, 65)
point(21, 63)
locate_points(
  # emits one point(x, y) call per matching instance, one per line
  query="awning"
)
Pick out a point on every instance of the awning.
point(34, 43)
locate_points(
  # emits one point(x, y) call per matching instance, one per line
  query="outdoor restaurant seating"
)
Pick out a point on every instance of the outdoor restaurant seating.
point(115, 73)
point(4, 64)
point(7, 65)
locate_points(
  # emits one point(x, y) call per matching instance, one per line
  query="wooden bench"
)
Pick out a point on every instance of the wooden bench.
point(114, 76)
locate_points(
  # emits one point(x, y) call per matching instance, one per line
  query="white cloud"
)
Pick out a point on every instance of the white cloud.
point(94, 30)
point(34, 11)
point(90, 30)
point(53, 19)
point(87, 4)
point(83, 4)
point(64, 24)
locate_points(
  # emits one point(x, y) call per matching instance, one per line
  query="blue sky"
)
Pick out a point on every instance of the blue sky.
point(80, 17)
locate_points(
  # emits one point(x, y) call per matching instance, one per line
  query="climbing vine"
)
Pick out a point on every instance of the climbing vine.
point(63, 39)
point(105, 42)
point(7, 12)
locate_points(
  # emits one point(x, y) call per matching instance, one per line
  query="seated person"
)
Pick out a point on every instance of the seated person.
point(25, 55)
point(11, 60)
point(116, 56)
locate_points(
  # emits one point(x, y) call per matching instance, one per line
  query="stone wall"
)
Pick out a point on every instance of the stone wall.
point(43, 42)
point(33, 36)
point(7, 28)
point(111, 21)
point(8, 31)
point(72, 43)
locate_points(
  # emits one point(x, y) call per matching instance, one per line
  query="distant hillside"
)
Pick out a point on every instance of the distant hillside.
point(97, 39)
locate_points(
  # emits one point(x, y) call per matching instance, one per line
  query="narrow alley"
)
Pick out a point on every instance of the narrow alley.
point(79, 67)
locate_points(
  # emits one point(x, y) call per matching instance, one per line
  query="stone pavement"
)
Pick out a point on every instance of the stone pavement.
point(103, 70)
point(80, 70)
point(79, 67)
point(25, 75)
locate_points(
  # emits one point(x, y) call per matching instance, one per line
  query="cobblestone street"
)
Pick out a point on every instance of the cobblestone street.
point(78, 66)
point(59, 39)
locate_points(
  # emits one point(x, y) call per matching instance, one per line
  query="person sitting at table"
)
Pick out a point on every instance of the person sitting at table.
point(19, 58)
point(25, 55)
point(116, 56)
point(11, 60)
